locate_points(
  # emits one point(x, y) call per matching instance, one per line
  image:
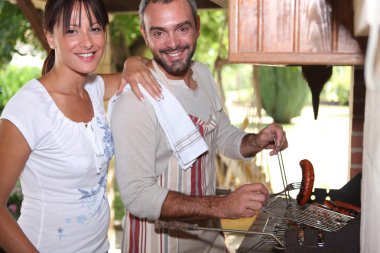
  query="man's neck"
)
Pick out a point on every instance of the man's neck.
point(187, 77)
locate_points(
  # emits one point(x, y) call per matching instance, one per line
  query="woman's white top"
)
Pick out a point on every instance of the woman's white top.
point(65, 206)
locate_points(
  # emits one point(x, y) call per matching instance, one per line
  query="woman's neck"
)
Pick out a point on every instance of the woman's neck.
point(64, 83)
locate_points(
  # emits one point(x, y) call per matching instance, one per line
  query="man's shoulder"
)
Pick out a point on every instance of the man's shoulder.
point(201, 66)
point(127, 101)
point(127, 105)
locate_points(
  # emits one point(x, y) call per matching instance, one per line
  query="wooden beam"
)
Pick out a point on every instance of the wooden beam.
point(133, 5)
point(34, 17)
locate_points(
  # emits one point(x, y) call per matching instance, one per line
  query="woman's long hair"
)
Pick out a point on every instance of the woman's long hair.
point(61, 10)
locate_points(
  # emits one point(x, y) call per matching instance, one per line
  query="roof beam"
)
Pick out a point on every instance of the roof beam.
point(133, 5)
point(34, 15)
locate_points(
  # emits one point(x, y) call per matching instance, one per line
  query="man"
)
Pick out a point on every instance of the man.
point(151, 183)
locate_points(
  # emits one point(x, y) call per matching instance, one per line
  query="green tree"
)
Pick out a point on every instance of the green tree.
point(14, 29)
point(337, 89)
point(12, 78)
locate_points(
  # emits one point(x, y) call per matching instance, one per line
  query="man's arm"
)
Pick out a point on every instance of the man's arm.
point(136, 135)
point(242, 203)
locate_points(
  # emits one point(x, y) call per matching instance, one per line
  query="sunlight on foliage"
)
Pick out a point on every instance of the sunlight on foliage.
point(337, 89)
point(12, 79)
point(14, 29)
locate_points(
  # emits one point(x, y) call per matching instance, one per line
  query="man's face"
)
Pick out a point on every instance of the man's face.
point(171, 34)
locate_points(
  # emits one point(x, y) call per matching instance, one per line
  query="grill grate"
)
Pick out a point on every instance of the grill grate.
point(263, 244)
point(310, 215)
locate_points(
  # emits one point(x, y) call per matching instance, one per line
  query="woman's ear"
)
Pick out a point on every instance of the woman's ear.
point(50, 39)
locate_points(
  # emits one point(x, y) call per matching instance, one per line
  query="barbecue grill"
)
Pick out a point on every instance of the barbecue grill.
point(285, 226)
point(306, 229)
point(309, 228)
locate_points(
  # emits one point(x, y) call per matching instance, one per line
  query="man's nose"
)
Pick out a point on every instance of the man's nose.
point(173, 40)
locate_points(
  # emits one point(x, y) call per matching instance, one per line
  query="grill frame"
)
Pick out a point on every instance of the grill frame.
point(345, 239)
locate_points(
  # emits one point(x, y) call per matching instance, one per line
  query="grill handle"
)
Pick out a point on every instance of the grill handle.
point(175, 225)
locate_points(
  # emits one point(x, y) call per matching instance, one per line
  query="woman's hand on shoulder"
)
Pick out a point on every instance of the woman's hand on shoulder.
point(136, 72)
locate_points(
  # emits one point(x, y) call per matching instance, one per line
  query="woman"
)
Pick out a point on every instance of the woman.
point(54, 134)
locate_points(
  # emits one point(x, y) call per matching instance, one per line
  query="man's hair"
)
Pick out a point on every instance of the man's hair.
point(144, 4)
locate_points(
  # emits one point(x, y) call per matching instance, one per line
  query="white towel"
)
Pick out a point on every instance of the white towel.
point(184, 138)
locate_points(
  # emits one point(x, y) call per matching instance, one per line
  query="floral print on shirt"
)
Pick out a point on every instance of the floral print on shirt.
point(107, 138)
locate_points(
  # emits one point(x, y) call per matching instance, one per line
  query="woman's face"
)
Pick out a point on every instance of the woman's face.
point(79, 47)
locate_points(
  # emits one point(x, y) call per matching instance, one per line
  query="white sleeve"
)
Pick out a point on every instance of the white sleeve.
point(25, 110)
point(136, 133)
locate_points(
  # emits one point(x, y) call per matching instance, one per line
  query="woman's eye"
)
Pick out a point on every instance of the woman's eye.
point(96, 29)
point(70, 31)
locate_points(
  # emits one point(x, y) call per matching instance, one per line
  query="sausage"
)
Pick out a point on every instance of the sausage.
point(307, 182)
point(340, 209)
point(347, 205)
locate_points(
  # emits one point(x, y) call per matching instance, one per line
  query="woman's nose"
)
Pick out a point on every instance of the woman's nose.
point(86, 41)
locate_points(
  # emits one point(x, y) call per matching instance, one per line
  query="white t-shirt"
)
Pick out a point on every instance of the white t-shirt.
point(65, 206)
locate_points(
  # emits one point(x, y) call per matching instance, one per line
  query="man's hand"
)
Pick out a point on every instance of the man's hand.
point(244, 202)
point(136, 72)
point(265, 139)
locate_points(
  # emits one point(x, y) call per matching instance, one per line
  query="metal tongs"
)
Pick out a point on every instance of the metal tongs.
point(283, 174)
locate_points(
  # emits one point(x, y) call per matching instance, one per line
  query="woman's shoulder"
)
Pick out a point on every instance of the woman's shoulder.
point(29, 110)
point(31, 92)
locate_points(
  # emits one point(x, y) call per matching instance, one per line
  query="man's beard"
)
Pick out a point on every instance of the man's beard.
point(177, 68)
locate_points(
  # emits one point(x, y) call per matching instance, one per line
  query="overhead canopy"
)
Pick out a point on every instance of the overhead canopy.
point(32, 10)
point(126, 5)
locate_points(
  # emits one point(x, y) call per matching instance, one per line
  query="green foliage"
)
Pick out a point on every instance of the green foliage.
point(125, 25)
point(14, 29)
point(213, 39)
point(237, 77)
point(283, 92)
point(117, 203)
point(337, 89)
point(12, 79)
point(14, 204)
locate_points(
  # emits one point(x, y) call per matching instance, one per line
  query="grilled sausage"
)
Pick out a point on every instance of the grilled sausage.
point(347, 205)
point(340, 209)
point(307, 182)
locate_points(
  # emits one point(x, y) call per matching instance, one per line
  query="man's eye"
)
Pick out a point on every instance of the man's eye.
point(184, 29)
point(157, 34)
